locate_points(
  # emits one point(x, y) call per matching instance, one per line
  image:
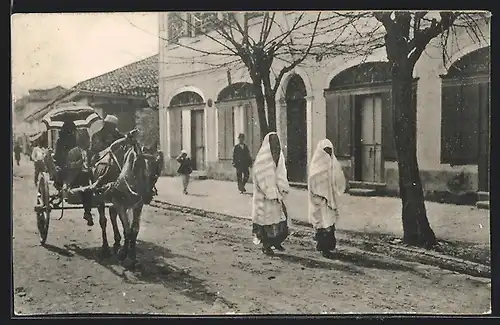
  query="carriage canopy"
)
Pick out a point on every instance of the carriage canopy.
point(82, 115)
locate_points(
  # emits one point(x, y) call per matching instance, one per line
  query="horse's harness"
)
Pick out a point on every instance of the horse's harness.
point(110, 151)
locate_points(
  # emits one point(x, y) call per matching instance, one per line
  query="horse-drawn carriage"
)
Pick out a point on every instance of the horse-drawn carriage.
point(56, 193)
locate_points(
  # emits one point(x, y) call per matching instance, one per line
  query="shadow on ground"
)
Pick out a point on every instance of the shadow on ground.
point(464, 250)
point(352, 262)
point(152, 269)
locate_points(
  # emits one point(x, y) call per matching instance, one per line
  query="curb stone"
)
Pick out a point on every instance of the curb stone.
point(402, 253)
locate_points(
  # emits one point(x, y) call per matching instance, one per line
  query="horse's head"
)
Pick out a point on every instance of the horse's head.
point(141, 169)
point(153, 168)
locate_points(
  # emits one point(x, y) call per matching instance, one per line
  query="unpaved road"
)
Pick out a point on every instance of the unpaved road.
point(196, 265)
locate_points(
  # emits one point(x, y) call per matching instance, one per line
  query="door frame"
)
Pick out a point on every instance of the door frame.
point(356, 131)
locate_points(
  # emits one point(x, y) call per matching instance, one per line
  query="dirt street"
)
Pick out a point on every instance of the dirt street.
point(196, 265)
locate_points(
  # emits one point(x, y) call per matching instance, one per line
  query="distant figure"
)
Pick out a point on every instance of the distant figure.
point(270, 183)
point(37, 156)
point(326, 182)
point(242, 161)
point(185, 169)
point(17, 152)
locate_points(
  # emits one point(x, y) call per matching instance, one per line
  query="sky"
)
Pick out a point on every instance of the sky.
point(51, 49)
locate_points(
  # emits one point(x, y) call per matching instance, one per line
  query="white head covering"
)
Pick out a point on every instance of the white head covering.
point(325, 174)
point(111, 119)
point(183, 151)
point(271, 179)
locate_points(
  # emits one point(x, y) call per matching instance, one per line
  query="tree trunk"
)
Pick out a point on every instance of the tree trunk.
point(271, 111)
point(261, 110)
point(416, 227)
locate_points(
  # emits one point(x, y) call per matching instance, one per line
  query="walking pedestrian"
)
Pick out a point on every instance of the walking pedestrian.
point(37, 156)
point(17, 152)
point(185, 169)
point(271, 186)
point(326, 183)
point(242, 161)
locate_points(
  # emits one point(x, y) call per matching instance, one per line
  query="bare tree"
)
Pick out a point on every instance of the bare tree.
point(406, 35)
point(289, 39)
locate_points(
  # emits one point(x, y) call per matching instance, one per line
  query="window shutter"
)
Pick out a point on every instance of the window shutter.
point(221, 121)
point(253, 128)
point(388, 142)
point(229, 132)
point(469, 124)
point(332, 102)
point(175, 131)
point(338, 122)
point(225, 130)
point(484, 113)
point(344, 125)
point(450, 120)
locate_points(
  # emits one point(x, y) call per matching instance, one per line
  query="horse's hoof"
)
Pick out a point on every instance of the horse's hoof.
point(105, 252)
point(116, 248)
point(130, 263)
point(122, 254)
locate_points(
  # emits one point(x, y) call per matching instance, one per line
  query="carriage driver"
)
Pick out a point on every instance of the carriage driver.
point(101, 140)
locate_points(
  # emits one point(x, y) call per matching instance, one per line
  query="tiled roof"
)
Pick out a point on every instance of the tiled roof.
point(136, 79)
point(46, 94)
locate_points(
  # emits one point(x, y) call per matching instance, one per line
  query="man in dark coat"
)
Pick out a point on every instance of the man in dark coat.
point(101, 140)
point(242, 161)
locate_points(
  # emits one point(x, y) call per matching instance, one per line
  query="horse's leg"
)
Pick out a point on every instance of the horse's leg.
point(122, 213)
point(134, 230)
point(113, 214)
point(103, 223)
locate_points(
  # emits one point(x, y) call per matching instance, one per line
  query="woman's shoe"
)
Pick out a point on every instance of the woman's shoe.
point(280, 248)
point(268, 251)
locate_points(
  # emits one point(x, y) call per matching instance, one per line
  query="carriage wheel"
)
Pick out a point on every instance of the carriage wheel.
point(43, 207)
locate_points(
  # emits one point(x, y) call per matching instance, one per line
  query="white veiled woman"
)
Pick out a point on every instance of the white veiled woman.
point(326, 183)
point(270, 188)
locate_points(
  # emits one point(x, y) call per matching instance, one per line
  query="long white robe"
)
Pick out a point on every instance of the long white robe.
point(326, 182)
point(270, 186)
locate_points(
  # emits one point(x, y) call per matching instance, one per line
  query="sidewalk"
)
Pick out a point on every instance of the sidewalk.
point(361, 214)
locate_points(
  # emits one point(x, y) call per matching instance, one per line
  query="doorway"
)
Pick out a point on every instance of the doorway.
point(198, 139)
point(368, 135)
point(296, 108)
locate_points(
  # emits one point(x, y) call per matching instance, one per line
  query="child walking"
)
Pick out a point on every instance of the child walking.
point(185, 169)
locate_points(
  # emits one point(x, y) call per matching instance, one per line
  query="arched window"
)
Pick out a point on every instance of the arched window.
point(365, 73)
point(239, 90)
point(237, 113)
point(186, 98)
point(296, 88)
point(472, 64)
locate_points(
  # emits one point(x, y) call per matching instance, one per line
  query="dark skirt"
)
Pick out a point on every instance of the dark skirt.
point(272, 235)
point(325, 238)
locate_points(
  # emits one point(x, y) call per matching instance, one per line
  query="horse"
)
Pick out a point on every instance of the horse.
point(133, 187)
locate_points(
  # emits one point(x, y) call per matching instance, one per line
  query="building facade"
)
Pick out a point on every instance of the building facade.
point(345, 99)
point(130, 93)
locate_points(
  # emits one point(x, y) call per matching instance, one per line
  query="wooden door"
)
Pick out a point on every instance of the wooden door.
point(371, 139)
point(296, 159)
point(198, 139)
point(484, 138)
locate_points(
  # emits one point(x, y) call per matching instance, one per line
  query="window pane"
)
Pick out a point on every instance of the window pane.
point(175, 27)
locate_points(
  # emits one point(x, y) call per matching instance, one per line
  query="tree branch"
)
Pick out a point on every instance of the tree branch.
point(296, 62)
point(423, 37)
